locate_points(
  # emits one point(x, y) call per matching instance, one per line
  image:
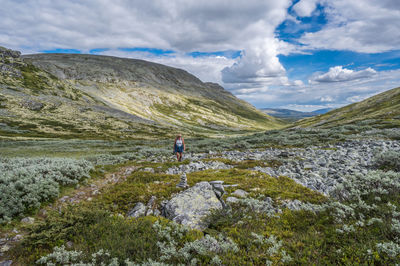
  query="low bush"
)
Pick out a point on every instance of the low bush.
point(389, 160)
point(26, 183)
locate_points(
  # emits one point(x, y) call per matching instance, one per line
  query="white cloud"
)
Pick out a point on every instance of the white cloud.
point(304, 8)
point(338, 73)
point(182, 26)
point(207, 69)
point(368, 26)
point(325, 94)
point(358, 98)
point(207, 26)
point(326, 99)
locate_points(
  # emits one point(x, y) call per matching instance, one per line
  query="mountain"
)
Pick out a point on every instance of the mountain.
point(91, 96)
point(292, 115)
point(322, 111)
point(382, 111)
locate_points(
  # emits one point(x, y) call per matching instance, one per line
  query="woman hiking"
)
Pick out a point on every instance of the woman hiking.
point(179, 147)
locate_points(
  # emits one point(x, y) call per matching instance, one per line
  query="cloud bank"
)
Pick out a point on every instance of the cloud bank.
point(202, 36)
point(340, 74)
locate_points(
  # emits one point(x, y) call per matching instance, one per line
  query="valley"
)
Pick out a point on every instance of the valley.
point(87, 174)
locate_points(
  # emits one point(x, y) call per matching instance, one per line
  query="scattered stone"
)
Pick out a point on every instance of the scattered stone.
point(6, 263)
point(69, 244)
point(189, 207)
point(240, 193)
point(232, 199)
point(137, 211)
point(148, 169)
point(150, 205)
point(197, 166)
point(17, 237)
point(4, 248)
point(28, 220)
point(293, 205)
point(32, 105)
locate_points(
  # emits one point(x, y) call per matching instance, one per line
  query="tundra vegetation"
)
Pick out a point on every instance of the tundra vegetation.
point(357, 223)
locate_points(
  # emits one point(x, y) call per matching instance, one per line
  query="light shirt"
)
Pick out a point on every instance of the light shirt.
point(179, 142)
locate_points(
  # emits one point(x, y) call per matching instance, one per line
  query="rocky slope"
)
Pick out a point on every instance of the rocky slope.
point(382, 110)
point(87, 96)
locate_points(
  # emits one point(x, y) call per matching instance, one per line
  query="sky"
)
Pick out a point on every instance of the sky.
point(296, 54)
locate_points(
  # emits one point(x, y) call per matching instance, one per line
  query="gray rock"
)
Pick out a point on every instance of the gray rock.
point(28, 220)
point(17, 237)
point(219, 190)
point(240, 193)
point(137, 211)
point(6, 263)
point(148, 169)
point(32, 105)
point(4, 248)
point(232, 199)
point(4, 52)
point(189, 207)
point(69, 244)
point(150, 205)
point(293, 205)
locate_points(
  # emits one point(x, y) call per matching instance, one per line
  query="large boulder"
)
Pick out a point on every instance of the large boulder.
point(189, 207)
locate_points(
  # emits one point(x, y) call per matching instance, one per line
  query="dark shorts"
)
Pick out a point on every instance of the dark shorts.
point(179, 149)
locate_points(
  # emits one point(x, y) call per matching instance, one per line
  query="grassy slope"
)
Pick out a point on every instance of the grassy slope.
point(98, 97)
point(171, 97)
point(382, 110)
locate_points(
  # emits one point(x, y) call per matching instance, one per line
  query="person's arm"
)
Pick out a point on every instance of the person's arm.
point(183, 141)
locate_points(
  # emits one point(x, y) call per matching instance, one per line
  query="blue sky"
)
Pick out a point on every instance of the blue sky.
point(301, 54)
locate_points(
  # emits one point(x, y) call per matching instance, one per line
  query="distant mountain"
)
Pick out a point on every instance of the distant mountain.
point(382, 111)
point(292, 115)
point(322, 111)
point(90, 96)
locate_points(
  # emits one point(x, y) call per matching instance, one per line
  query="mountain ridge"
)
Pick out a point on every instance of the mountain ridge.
point(94, 96)
point(381, 110)
point(292, 115)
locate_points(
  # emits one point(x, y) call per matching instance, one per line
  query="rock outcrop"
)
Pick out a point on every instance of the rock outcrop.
point(189, 207)
point(9, 62)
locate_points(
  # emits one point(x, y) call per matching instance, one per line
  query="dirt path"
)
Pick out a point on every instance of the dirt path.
point(86, 193)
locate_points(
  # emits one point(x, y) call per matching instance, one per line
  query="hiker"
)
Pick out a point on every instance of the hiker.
point(179, 147)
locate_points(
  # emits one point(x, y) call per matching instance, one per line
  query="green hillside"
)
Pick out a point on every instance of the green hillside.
point(88, 96)
point(382, 111)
